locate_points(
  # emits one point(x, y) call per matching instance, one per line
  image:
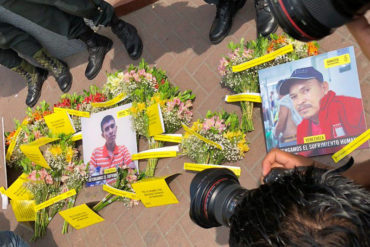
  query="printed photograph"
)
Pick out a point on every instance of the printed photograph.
point(313, 106)
point(108, 143)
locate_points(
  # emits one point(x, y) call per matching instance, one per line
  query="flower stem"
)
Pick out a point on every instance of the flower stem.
point(247, 116)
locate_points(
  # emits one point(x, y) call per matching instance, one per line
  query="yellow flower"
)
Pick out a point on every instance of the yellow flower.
point(243, 147)
point(56, 150)
point(69, 154)
point(196, 126)
point(140, 107)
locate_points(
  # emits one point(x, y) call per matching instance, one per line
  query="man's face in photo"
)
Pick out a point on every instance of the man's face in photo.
point(109, 131)
point(306, 96)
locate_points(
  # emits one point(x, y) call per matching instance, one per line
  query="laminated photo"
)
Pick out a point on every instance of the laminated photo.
point(313, 106)
point(108, 142)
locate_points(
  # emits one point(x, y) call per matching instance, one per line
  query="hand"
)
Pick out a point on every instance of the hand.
point(360, 30)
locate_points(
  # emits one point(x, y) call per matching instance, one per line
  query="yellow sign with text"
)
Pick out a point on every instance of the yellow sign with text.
point(110, 170)
point(156, 125)
point(73, 112)
point(111, 102)
point(350, 147)
point(263, 59)
point(24, 210)
point(55, 199)
point(317, 138)
point(32, 150)
point(124, 113)
point(336, 61)
point(201, 167)
point(156, 154)
point(60, 123)
point(11, 147)
point(121, 193)
point(177, 138)
point(154, 192)
point(80, 216)
point(212, 143)
point(251, 97)
point(17, 191)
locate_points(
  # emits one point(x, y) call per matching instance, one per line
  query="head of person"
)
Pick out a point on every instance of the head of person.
point(306, 87)
point(109, 129)
point(306, 207)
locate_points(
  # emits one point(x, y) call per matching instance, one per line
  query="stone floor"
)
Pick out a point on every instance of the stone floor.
point(175, 35)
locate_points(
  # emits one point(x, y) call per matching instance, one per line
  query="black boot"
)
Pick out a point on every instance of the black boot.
point(97, 46)
point(266, 22)
point(127, 33)
point(56, 67)
point(35, 78)
point(226, 10)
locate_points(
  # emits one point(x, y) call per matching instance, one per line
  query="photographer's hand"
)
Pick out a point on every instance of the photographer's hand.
point(360, 30)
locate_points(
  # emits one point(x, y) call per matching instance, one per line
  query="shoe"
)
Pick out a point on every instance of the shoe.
point(35, 78)
point(266, 22)
point(56, 67)
point(97, 46)
point(127, 33)
point(221, 26)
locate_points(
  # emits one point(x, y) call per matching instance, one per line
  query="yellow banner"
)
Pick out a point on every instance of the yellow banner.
point(32, 150)
point(212, 143)
point(121, 193)
point(24, 210)
point(55, 199)
point(73, 112)
point(251, 97)
point(156, 125)
point(111, 102)
point(124, 113)
point(350, 147)
point(17, 191)
point(11, 147)
point(110, 170)
point(201, 167)
point(263, 59)
point(76, 137)
point(156, 154)
point(80, 216)
point(317, 138)
point(177, 138)
point(154, 192)
point(336, 61)
point(60, 123)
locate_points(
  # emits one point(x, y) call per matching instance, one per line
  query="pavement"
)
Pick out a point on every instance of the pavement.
point(175, 36)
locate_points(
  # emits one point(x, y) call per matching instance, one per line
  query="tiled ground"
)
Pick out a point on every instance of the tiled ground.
point(175, 35)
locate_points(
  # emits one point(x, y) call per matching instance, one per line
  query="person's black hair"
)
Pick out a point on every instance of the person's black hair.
point(105, 120)
point(306, 207)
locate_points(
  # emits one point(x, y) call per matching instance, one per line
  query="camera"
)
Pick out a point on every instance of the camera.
point(308, 20)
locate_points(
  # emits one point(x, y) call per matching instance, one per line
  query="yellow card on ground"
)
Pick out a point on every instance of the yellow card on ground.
point(73, 112)
point(76, 137)
point(177, 138)
point(164, 152)
point(80, 216)
point(124, 113)
point(32, 150)
point(156, 125)
point(336, 61)
point(201, 167)
point(60, 123)
point(252, 97)
point(350, 147)
point(154, 192)
point(118, 192)
point(212, 143)
point(55, 199)
point(17, 191)
point(24, 210)
point(111, 102)
point(263, 59)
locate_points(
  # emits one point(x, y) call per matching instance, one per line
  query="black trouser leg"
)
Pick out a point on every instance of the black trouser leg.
point(9, 58)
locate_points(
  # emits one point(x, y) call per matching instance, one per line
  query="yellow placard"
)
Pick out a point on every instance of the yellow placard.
point(263, 59)
point(350, 147)
point(111, 102)
point(76, 137)
point(212, 143)
point(251, 97)
point(169, 138)
point(156, 154)
point(121, 193)
point(110, 170)
point(59, 123)
point(336, 61)
point(124, 113)
point(201, 167)
point(55, 199)
point(73, 112)
point(317, 138)
point(11, 147)
point(17, 191)
point(154, 192)
point(80, 216)
point(24, 210)
point(32, 151)
point(156, 125)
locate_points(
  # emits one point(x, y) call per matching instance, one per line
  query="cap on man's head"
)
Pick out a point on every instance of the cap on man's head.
point(300, 74)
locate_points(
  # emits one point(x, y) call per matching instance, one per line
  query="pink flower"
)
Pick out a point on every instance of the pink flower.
point(188, 104)
point(219, 125)
point(131, 178)
point(208, 123)
point(177, 101)
point(43, 173)
point(148, 76)
point(136, 77)
point(32, 176)
point(170, 105)
point(37, 134)
point(81, 169)
point(141, 72)
point(64, 189)
point(64, 178)
point(49, 179)
point(126, 77)
point(70, 167)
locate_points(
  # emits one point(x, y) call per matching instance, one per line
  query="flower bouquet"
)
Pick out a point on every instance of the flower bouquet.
point(246, 81)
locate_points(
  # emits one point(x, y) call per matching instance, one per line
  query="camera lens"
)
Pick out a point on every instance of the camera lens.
point(314, 19)
point(214, 195)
